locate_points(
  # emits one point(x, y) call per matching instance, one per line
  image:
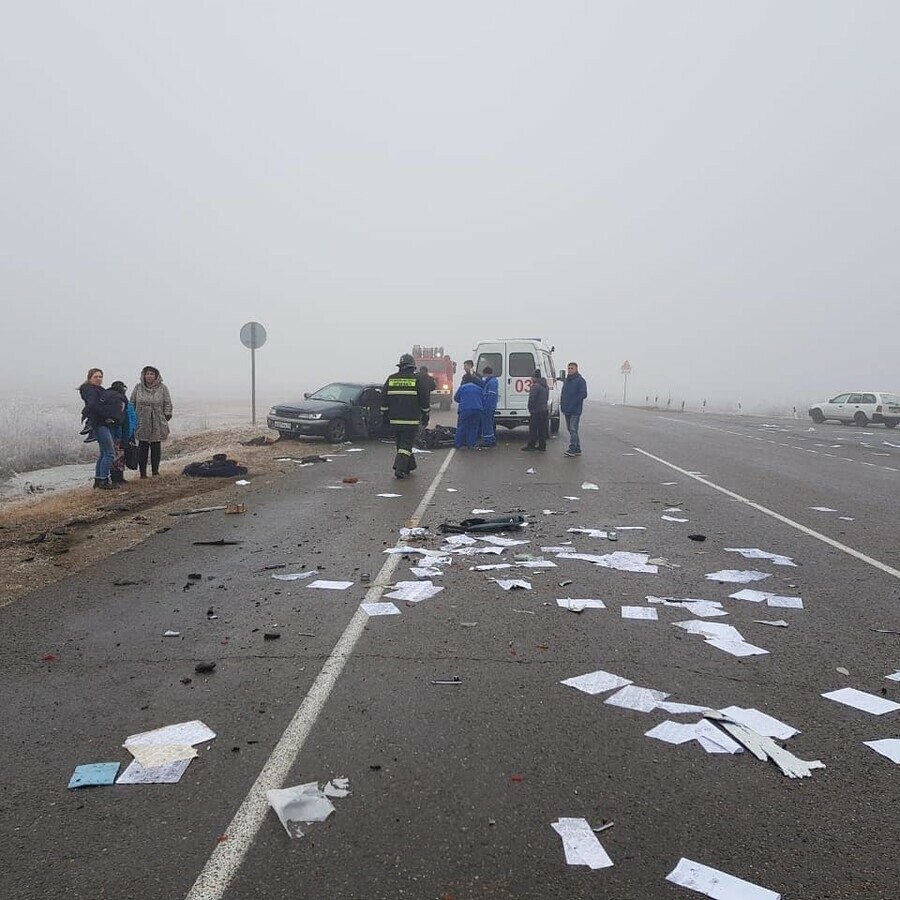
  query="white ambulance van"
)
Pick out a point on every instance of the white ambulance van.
point(514, 361)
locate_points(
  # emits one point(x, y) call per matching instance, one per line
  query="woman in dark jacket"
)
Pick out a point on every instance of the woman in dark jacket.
point(95, 415)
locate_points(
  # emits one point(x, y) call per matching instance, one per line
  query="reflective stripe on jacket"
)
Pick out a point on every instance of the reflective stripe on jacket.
point(406, 397)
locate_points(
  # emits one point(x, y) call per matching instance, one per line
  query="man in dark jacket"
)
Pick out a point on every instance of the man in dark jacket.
point(538, 412)
point(471, 376)
point(571, 404)
point(405, 406)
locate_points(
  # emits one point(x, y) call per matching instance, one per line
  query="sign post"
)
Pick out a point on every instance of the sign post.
point(253, 336)
point(626, 371)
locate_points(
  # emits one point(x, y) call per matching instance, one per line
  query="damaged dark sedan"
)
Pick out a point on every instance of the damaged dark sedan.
point(341, 411)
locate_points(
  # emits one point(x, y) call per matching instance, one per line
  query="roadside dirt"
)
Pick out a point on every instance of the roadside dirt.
point(45, 538)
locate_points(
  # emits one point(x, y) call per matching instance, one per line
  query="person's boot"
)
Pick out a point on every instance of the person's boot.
point(117, 477)
point(143, 473)
point(102, 483)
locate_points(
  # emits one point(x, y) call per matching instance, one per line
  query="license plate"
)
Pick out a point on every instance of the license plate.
point(279, 424)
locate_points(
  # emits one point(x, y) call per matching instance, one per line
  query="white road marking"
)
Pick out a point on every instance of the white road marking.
point(226, 859)
point(889, 570)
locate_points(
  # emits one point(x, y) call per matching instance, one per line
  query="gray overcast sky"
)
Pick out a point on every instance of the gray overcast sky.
point(709, 189)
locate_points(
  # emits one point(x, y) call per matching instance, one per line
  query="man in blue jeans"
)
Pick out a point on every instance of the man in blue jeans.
point(571, 404)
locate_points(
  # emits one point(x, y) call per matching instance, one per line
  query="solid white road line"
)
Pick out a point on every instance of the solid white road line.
point(889, 570)
point(228, 856)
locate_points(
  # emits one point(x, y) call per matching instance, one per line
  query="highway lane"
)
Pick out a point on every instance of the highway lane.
point(454, 787)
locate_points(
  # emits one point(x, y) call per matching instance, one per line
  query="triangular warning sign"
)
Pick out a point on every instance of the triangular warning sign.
point(626, 366)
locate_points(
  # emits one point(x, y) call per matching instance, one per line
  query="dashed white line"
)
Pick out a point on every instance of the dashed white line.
point(226, 859)
point(889, 570)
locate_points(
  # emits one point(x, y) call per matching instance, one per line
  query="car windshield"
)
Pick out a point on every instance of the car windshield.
point(337, 393)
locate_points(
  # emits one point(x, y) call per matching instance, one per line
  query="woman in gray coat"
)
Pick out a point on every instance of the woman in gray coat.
point(153, 405)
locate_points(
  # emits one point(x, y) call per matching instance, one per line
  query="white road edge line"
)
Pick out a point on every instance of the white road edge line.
point(889, 570)
point(226, 859)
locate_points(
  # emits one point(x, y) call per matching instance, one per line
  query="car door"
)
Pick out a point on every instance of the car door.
point(834, 408)
point(869, 405)
point(521, 365)
point(852, 407)
point(367, 412)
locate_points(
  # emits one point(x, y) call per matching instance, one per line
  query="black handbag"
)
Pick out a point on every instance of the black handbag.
point(131, 456)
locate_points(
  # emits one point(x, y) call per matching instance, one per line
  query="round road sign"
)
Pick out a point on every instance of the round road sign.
point(253, 335)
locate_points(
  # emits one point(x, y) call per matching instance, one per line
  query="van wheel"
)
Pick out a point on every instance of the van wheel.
point(861, 419)
point(554, 425)
point(891, 423)
point(337, 431)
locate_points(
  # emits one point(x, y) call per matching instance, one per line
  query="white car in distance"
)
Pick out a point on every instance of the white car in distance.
point(861, 408)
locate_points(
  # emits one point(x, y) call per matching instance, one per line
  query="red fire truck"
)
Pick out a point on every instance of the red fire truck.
point(441, 368)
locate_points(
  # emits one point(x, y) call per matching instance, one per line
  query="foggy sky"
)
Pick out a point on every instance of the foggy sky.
point(709, 189)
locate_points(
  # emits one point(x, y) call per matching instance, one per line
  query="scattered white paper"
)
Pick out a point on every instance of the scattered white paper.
point(536, 564)
point(623, 561)
point(894, 677)
point(389, 495)
point(509, 584)
point(155, 756)
point(171, 634)
point(414, 591)
point(300, 805)
point(869, 703)
point(846, 518)
point(712, 739)
point(639, 612)
point(579, 605)
point(476, 551)
point(590, 486)
point(580, 844)
point(502, 541)
point(770, 599)
point(704, 608)
point(637, 698)
point(760, 722)
point(677, 708)
point(672, 519)
point(243, 481)
point(166, 774)
point(823, 509)
point(330, 585)
point(481, 512)
point(754, 553)
point(596, 682)
point(407, 533)
point(337, 787)
point(425, 571)
point(380, 609)
point(590, 532)
point(748, 594)
point(672, 509)
point(184, 733)
point(571, 498)
point(669, 483)
point(718, 885)
point(737, 576)
point(736, 648)
point(889, 747)
point(777, 623)
point(530, 471)
point(452, 490)
point(459, 540)
point(354, 450)
point(490, 567)
point(294, 576)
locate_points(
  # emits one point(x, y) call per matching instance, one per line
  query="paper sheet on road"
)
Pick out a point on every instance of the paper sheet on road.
point(167, 774)
point(640, 612)
point(623, 561)
point(711, 630)
point(889, 747)
point(894, 677)
point(784, 602)
point(490, 567)
point(596, 682)
point(678, 708)
point(324, 585)
point(571, 498)
point(93, 775)
point(590, 532)
point(509, 584)
point(459, 540)
point(715, 884)
point(299, 805)
point(580, 844)
point(712, 739)
point(753, 553)
point(389, 495)
point(869, 703)
point(761, 723)
point(476, 551)
point(481, 512)
point(579, 605)
point(295, 576)
point(414, 591)
point(737, 576)
point(536, 564)
point(736, 648)
point(590, 486)
point(154, 756)
point(637, 698)
point(379, 609)
point(502, 541)
point(672, 519)
point(706, 609)
point(425, 571)
point(189, 733)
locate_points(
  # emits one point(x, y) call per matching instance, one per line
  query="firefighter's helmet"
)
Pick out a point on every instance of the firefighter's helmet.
point(406, 361)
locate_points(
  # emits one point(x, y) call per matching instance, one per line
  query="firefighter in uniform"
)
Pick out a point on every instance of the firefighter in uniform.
point(406, 401)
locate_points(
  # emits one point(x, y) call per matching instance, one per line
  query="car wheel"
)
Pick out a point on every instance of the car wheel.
point(817, 417)
point(891, 423)
point(337, 431)
point(861, 419)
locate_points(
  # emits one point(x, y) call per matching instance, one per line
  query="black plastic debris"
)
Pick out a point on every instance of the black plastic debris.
point(203, 668)
point(271, 635)
point(697, 537)
point(502, 523)
point(441, 436)
point(221, 542)
point(217, 467)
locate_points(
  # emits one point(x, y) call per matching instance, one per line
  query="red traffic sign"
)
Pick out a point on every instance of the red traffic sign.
point(626, 367)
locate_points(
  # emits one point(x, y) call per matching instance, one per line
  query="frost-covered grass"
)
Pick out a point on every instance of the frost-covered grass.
point(35, 436)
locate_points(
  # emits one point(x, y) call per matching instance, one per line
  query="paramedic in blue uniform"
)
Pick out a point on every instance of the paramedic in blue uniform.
point(491, 394)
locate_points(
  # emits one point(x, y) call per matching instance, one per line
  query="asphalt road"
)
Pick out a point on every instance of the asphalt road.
point(454, 787)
